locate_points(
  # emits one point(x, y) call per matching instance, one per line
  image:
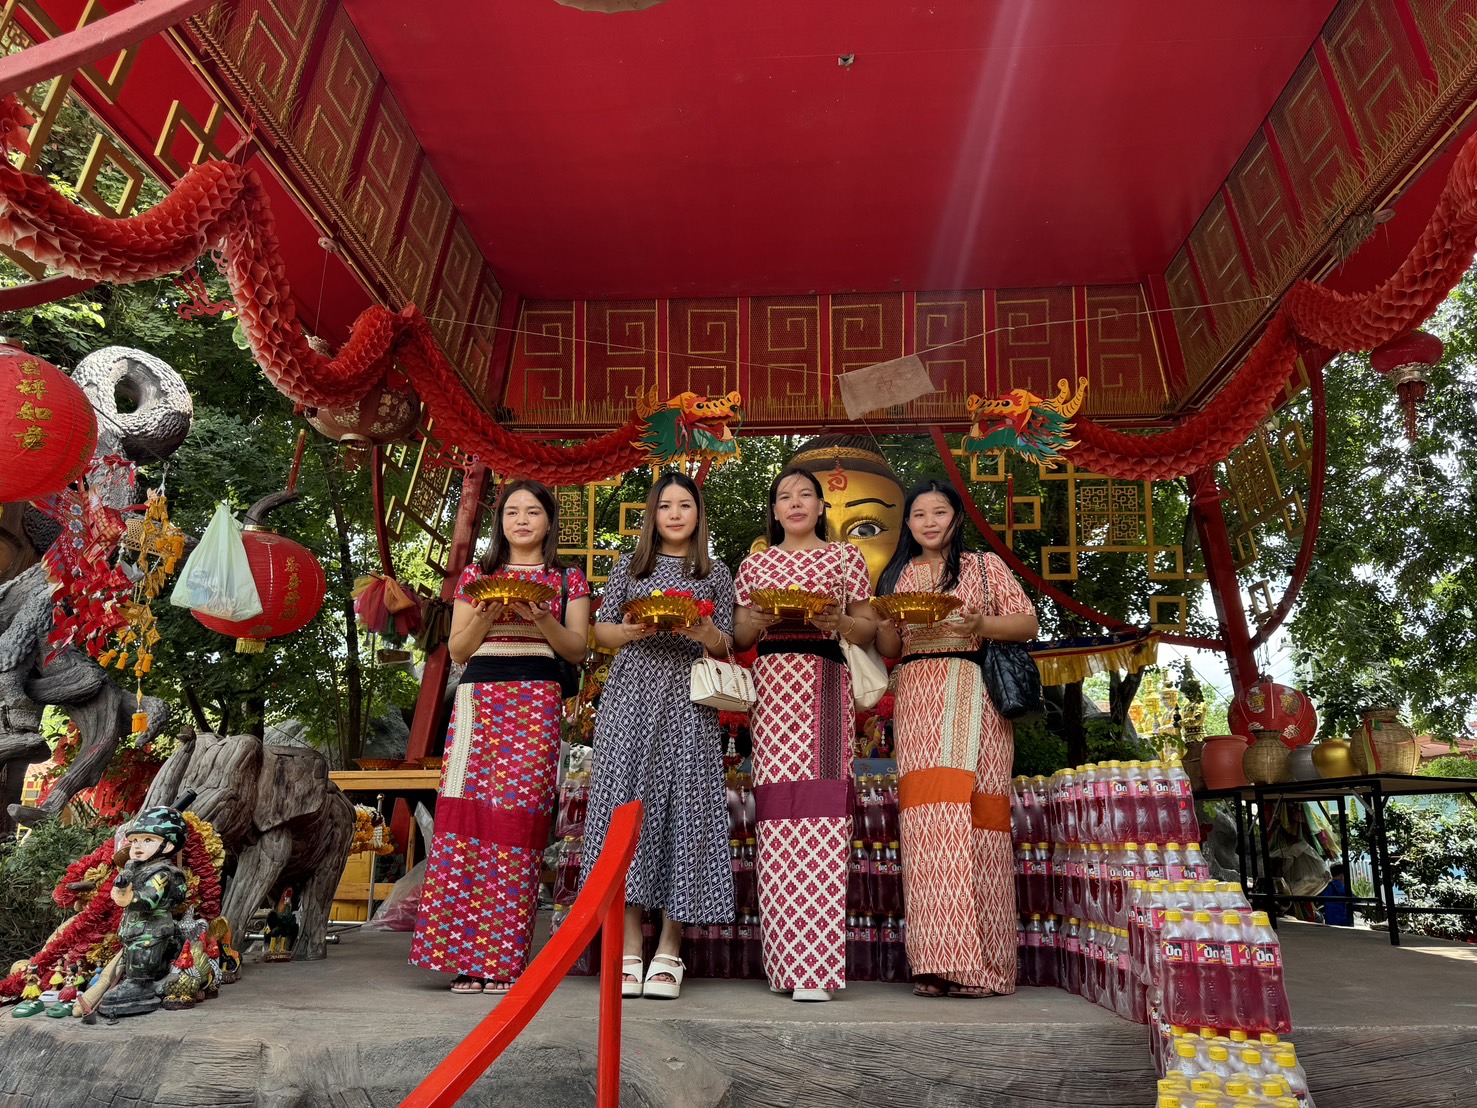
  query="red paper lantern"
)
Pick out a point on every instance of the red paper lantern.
point(383, 415)
point(48, 429)
point(1267, 706)
point(291, 585)
point(1406, 363)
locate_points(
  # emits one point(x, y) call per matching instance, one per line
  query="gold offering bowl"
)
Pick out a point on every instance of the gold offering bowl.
point(508, 589)
point(791, 603)
point(916, 607)
point(662, 611)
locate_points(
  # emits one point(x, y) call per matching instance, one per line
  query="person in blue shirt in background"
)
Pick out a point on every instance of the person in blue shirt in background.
point(1338, 913)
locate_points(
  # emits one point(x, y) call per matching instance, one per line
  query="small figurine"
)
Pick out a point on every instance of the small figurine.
point(281, 930)
point(31, 1002)
point(149, 889)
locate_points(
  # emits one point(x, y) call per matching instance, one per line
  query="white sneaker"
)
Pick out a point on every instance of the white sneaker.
point(810, 994)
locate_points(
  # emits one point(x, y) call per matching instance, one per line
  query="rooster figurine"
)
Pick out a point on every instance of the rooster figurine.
point(281, 930)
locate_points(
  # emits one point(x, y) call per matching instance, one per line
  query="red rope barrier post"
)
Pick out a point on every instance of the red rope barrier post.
point(608, 1050)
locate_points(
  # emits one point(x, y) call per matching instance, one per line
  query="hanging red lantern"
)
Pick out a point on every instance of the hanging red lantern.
point(383, 415)
point(288, 578)
point(291, 585)
point(48, 428)
point(1406, 363)
point(1268, 706)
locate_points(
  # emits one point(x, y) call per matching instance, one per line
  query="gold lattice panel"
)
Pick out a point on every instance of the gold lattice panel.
point(1260, 476)
point(422, 505)
point(577, 537)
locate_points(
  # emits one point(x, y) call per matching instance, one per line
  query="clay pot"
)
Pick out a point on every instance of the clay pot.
point(1300, 761)
point(1266, 760)
point(1383, 744)
point(1191, 761)
point(1221, 762)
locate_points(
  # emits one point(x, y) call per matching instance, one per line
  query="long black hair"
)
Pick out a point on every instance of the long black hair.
point(908, 547)
point(698, 563)
point(774, 531)
point(498, 553)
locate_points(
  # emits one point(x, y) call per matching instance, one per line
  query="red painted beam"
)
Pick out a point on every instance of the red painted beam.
point(97, 40)
point(1220, 570)
point(35, 293)
point(1317, 474)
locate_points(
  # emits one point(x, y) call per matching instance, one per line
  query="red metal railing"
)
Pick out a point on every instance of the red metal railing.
point(601, 906)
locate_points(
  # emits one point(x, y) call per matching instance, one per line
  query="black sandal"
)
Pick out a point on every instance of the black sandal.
point(930, 986)
point(969, 992)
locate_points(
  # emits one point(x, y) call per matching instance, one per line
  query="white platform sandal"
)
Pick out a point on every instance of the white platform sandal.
point(810, 995)
point(629, 987)
point(670, 965)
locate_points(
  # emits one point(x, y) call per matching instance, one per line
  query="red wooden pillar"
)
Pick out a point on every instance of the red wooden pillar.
point(1220, 569)
point(438, 662)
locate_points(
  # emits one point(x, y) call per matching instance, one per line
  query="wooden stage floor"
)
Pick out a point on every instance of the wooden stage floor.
point(1377, 1026)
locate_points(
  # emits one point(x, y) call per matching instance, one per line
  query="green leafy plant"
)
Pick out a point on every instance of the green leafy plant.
point(29, 871)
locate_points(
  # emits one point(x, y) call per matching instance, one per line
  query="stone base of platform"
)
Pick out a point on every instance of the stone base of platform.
point(1378, 1026)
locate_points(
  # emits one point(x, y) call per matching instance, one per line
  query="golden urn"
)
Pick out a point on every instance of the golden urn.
point(1335, 758)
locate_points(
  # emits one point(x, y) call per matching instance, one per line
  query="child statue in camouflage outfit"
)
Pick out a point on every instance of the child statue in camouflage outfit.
point(150, 888)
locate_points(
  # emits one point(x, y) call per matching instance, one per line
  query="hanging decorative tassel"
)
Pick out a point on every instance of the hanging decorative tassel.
point(140, 717)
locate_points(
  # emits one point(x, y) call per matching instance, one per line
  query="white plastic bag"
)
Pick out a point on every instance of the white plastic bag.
point(216, 577)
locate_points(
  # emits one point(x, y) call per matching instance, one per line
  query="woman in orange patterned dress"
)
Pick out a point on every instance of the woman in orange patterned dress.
point(954, 753)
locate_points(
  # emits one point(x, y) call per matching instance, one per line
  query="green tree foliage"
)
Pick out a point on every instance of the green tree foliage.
point(1389, 612)
point(1433, 856)
point(29, 874)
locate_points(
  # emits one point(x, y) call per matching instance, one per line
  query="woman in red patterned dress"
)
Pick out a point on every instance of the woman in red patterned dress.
point(954, 752)
point(497, 782)
point(802, 728)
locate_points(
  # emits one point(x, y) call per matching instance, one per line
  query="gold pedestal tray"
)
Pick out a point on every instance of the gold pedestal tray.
point(662, 611)
point(508, 589)
point(916, 607)
point(790, 603)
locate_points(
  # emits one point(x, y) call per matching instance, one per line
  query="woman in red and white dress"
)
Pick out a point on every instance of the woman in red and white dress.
point(497, 784)
point(802, 729)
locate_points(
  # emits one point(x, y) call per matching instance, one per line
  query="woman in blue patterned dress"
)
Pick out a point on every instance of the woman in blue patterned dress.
point(653, 744)
point(502, 749)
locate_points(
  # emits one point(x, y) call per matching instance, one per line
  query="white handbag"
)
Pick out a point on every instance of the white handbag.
point(725, 686)
point(868, 670)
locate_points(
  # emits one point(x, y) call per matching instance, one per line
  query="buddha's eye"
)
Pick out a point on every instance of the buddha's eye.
point(865, 529)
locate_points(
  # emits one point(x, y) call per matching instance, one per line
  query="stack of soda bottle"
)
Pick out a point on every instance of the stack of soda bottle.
point(1205, 1069)
point(569, 830)
point(876, 931)
point(1082, 838)
point(724, 949)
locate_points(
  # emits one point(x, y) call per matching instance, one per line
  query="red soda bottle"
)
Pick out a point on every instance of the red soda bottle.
point(1266, 955)
point(1059, 869)
point(751, 883)
point(754, 949)
point(1049, 968)
point(1140, 802)
point(1187, 827)
point(1038, 878)
point(567, 873)
point(1243, 1001)
point(1067, 807)
point(694, 949)
point(890, 880)
point(1022, 872)
point(1115, 886)
point(861, 952)
point(892, 956)
point(1174, 862)
point(890, 822)
point(738, 825)
point(741, 876)
point(1091, 960)
point(1120, 829)
point(1072, 958)
point(853, 950)
point(720, 946)
point(872, 820)
point(1180, 980)
point(1210, 965)
point(859, 879)
point(738, 961)
point(1153, 862)
point(1165, 810)
point(1020, 823)
point(1095, 896)
point(1029, 956)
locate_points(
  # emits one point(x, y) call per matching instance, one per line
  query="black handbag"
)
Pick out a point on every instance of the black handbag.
point(569, 672)
point(1011, 676)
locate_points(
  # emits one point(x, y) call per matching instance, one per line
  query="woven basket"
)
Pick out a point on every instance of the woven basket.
point(1266, 760)
point(1383, 744)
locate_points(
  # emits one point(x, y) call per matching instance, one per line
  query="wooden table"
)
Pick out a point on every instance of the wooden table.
point(397, 784)
point(1374, 791)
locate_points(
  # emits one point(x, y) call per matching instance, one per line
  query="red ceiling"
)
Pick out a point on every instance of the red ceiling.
point(705, 147)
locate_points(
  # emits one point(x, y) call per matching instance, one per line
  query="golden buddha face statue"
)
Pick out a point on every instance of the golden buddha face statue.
point(864, 499)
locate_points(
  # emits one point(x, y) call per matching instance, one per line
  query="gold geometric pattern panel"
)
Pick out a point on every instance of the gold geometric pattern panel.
point(577, 530)
point(336, 103)
point(1123, 368)
point(1376, 68)
point(1259, 496)
point(705, 346)
point(389, 157)
point(425, 233)
point(267, 42)
point(421, 474)
point(1265, 211)
point(1192, 320)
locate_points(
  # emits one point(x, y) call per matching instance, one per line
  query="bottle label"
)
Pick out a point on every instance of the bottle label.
point(1094, 870)
point(867, 934)
point(1033, 938)
point(1182, 788)
point(1175, 871)
point(890, 935)
point(1267, 955)
point(1160, 786)
point(1209, 954)
point(1100, 790)
point(746, 932)
point(1238, 955)
point(1122, 962)
point(1119, 789)
point(1175, 950)
point(1074, 944)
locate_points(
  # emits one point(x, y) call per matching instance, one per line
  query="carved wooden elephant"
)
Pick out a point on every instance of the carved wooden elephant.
point(282, 821)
